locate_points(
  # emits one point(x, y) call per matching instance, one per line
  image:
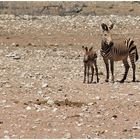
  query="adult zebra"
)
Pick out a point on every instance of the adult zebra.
point(117, 50)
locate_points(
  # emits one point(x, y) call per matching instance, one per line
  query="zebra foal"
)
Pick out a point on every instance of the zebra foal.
point(117, 50)
point(90, 61)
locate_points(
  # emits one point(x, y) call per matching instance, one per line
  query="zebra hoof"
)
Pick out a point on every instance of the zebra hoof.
point(106, 80)
point(122, 81)
point(133, 80)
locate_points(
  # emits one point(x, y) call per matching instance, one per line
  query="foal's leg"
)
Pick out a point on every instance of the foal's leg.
point(92, 71)
point(88, 67)
point(96, 68)
point(85, 72)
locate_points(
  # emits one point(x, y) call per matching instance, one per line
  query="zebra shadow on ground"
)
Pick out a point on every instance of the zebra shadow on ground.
point(137, 81)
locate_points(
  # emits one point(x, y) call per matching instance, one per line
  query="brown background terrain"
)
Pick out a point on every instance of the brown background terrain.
point(42, 94)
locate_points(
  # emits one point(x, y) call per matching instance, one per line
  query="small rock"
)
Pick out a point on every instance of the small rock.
point(88, 137)
point(49, 34)
point(39, 92)
point(124, 130)
point(114, 116)
point(54, 49)
point(98, 98)
point(28, 108)
point(136, 126)
point(55, 109)
point(37, 121)
point(31, 44)
point(67, 135)
point(92, 103)
point(33, 127)
point(13, 44)
point(6, 131)
point(47, 98)
point(13, 55)
point(3, 93)
point(44, 85)
point(50, 102)
point(3, 101)
point(6, 137)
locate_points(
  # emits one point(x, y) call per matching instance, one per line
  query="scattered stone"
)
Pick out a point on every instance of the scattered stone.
point(31, 44)
point(92, 103)
point(28, 108)
point(67, 135)
point(6, 132)
point(54, 49)
point(14, 55)
point(98, 98)
point(114, 116)
point(37, 121)
point(124, 130)
point(7, 137)
point(13, 44)
point(44, 85)
point(137, 126)
point(55, 109)
point(88, 137)
point(50, 102)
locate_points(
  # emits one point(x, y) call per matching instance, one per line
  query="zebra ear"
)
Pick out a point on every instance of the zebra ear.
point(90, 48)
point(104, 27)
point(85, 48)
point(111, 26)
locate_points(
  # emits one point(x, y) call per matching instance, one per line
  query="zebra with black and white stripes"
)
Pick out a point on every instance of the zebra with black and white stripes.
point(117, 50)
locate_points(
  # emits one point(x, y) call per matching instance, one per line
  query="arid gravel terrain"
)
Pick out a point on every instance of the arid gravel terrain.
point(42, 94)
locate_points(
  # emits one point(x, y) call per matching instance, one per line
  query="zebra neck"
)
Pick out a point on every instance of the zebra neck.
point(107, 47)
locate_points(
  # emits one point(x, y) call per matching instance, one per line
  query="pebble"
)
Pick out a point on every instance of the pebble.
point(7, 137)
point(44, 85)
point(55, 109)
point(28, 108)
point(67, 135)
point(6, 131)
point(50, 102)
point(14, 55)
point(98, 98)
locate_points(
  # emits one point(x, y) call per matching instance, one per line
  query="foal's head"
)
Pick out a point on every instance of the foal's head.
point(89, 55)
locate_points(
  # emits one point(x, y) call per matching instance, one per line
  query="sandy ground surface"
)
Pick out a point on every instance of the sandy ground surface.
point(42, 94)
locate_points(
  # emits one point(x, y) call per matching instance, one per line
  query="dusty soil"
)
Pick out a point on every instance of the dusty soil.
point(42, 94)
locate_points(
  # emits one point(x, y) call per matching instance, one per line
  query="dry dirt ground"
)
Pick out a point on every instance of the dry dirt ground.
point(42, 94)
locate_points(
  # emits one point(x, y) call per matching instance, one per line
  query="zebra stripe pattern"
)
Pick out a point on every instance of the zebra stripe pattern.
point(117, 51)
point(90, 63)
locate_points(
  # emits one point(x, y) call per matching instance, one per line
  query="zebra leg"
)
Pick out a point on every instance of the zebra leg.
point(88, 73)
point(107, 70)
point(85, 72)
point(112, 69)
point(133, 65)
point(92, 70)
point(96, 68)
point(126, 65)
